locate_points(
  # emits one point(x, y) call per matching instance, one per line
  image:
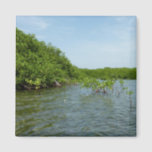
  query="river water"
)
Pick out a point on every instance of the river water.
point(76, 111)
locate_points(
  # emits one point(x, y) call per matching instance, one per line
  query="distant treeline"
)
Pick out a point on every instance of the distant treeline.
point(111, 73)
point(40, 65)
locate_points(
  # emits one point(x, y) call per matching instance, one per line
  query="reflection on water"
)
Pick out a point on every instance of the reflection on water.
point(73, 111)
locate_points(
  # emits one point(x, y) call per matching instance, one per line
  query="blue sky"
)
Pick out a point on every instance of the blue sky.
point(88, 41)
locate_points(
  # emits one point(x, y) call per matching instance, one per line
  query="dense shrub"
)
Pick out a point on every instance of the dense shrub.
point(39, 65)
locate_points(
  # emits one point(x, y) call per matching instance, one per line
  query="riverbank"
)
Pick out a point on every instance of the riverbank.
point(40, 65)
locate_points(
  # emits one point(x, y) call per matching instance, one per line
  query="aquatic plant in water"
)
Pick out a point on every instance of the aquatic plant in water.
point(98, 85)
point(105, 86)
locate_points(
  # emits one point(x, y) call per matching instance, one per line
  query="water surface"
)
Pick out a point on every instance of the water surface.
point(76, 111)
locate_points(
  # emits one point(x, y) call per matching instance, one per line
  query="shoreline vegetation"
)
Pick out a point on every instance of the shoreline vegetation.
point(40, 65)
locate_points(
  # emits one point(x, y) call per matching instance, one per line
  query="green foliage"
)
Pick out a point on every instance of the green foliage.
point(129, 93)
point(121, 82)
point(105, 86)
point(98, 85)
point(39, 65)
point(111, 73)
point(36, 84)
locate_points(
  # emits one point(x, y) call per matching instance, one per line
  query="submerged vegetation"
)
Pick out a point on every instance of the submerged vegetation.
point(41, 65)
point(106, 86)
